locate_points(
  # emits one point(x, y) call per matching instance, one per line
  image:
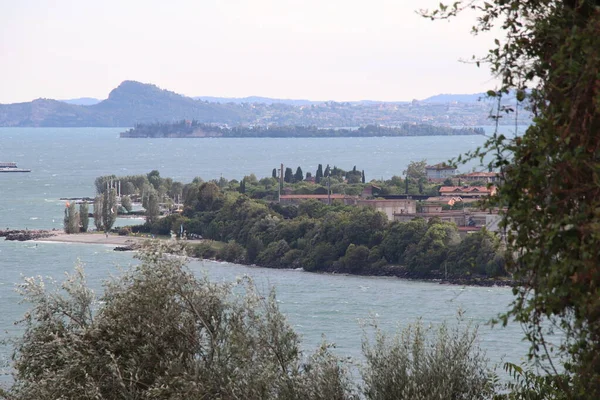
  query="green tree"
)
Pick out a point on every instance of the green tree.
point(548, 62)
point(288, 176)
point(319, 174)
point(84, 216)
point(416, 170)
point(209, 197)
point(422, 363)
point(355, 259)
point(126, 203)
point(274, 173)
point(98, 207)
point(154, 179)
point(152, 207)
point(299, 175)
point(160, 332)
point(253, 248)
point(109, 209)
point(71, 220)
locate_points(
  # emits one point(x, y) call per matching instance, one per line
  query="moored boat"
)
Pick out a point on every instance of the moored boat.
point(11, 167)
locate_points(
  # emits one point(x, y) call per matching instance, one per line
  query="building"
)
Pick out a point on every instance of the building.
point(324, 198)
point(468, 192)
point(391, 208)
point(457, 217)
point(489, 177)
point(439, 172)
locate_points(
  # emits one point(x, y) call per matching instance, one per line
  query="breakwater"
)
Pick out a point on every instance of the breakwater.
point(23, 235)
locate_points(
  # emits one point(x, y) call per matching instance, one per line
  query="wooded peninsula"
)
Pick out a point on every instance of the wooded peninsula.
point(195, 129)
point(244, 222)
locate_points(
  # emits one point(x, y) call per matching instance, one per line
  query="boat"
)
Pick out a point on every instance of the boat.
point(11, 167)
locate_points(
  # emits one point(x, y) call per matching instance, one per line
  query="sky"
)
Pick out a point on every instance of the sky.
point(342, 50)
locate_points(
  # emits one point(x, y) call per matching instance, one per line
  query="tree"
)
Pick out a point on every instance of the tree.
point(175, 191)
point(152, 208)
point(126, 203)
point(209, 197)
point(416, 170)
point(548, 62)
point(84, 216)
point(319, 174)
point(274, 173)
point(299, 175)
point(289, 175)
point(327, 171)
point(421, 363)
point(160, 332)
point(109, 209)
point(362, 177)
point(243, 186)
point(98, 207)
point(71, 219)
point(154, 179)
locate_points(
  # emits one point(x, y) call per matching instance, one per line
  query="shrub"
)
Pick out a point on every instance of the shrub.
point(420, 364)
point(159, 332)
point(232, 252)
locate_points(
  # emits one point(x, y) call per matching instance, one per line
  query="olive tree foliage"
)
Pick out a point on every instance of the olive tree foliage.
point(549, 58)
point(422, 363)
point(159, 332)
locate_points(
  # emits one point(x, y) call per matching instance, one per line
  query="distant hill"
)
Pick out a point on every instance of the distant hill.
point(82, 101)
point(130, 103)
point(133, 103)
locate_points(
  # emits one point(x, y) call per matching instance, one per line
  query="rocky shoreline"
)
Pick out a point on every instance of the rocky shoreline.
point(23, 235)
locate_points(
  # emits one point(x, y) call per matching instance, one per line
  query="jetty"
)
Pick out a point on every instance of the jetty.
point(23, 235)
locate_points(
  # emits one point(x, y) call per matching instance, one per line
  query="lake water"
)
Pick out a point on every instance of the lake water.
point(65, 162)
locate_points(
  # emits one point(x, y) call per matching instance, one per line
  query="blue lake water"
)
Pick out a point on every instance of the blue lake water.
point(65, 162)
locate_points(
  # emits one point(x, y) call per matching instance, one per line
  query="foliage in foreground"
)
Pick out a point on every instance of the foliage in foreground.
point(417, 364)
point(160, 332)
point(549, 57)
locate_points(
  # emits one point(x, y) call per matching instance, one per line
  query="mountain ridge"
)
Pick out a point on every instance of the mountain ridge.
point(133, 102)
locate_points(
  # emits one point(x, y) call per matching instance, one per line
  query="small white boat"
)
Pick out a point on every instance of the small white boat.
point(11, 167)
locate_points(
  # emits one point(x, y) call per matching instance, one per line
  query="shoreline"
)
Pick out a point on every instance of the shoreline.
point(131, 243)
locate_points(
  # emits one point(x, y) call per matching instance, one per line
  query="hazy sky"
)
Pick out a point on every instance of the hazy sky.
point(312, 49)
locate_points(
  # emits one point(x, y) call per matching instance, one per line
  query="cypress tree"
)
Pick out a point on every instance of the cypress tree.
point(299, 176)
point(84, 216)
point(289, 175)
point(319, 174)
